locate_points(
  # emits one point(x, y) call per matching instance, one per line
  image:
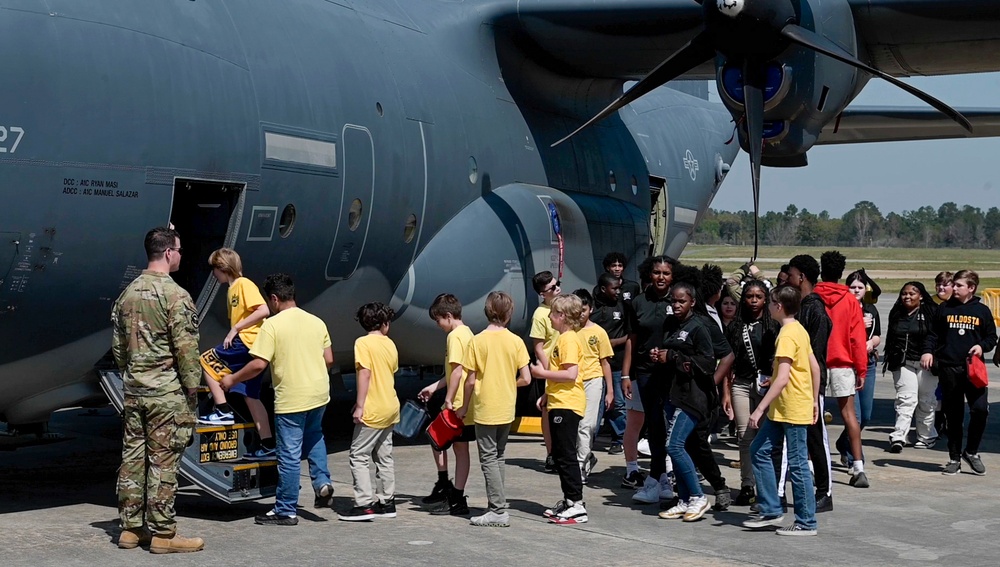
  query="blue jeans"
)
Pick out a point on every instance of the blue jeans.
point(297, 434)
point(617, 412)
point(863, 400)
point(768, 436)
point(687, 479)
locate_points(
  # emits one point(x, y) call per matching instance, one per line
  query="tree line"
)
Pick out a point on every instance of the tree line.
point(864, 225)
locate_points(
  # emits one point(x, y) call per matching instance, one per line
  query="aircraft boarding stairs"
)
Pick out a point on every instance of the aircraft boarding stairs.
point(212, 460)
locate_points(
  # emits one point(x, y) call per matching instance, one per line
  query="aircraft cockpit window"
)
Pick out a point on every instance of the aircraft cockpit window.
point(287, 221)
point(354, 217)
point(410, 228)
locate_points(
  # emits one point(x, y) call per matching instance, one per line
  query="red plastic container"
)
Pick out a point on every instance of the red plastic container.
point(444, 430)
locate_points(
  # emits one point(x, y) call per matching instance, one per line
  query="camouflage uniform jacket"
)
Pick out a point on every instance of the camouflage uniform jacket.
point(156, 336)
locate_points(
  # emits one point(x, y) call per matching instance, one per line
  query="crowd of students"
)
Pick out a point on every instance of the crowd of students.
point(674, 356)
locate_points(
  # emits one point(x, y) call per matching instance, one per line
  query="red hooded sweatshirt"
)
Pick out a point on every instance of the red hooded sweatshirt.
point(847, 347)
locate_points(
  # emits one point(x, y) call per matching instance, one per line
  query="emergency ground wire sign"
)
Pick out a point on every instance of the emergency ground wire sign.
point(219, 446)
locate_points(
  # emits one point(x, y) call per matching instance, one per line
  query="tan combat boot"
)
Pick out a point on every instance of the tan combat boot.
point(176, 544)
point(133, 538)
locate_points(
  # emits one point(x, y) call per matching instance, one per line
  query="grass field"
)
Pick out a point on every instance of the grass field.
point(890, 267)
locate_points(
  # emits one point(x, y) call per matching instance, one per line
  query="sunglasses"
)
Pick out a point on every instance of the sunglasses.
point(553, 287)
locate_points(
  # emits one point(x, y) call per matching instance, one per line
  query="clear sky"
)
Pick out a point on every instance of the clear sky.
point(896, 176)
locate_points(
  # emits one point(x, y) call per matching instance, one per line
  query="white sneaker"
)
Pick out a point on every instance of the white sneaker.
point(643, 447)
point(649, 493)
point(492, 519)
point(676, 512)
point(574, 513)
point(559, 507)
point(667, 490)
point(696, 508)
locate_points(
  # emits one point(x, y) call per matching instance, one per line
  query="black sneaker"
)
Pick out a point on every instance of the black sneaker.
point(746, 497)
point(358, 514)
point(616, 449)
point(951, 468)
point(385, 509)
point(454, 507)
point(633, 480)
point(975, 463)
point(439, 493)
point(324, 496)
point(723, 498)
point(859, 480)
point(824, 503)
point(896, 447)
point(272, 519)
point(550, 465)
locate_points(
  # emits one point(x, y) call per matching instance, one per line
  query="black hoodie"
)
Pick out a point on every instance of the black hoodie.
point(812, 315)
point(957, 327)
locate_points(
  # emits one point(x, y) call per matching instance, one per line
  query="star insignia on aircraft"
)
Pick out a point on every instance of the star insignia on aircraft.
point(691, 164)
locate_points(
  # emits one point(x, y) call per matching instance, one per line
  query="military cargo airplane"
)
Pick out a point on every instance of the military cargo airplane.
point(389, 150)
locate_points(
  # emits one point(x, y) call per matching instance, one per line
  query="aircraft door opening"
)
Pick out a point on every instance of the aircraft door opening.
point(355, 203)
point(207, 216)
point(658, 215)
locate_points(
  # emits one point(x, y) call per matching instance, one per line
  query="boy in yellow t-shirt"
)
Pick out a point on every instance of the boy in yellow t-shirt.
point(446, 310)
point(565, 399)
point(596, 370)
point(792, 405)
point(375, 413)
point(543, 340)
point(247, 310)
point(296, 347)
point(497, 362)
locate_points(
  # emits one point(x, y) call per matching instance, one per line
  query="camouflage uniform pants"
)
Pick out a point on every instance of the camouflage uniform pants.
point(157, 429)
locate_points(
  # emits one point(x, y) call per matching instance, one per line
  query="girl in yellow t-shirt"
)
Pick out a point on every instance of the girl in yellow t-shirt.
point(566, 401)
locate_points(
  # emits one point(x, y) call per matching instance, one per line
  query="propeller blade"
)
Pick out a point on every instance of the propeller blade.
point(807, 38)
point(753, 100)
point(694, 53)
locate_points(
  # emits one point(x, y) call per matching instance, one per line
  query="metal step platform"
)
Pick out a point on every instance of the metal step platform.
point(213, 459)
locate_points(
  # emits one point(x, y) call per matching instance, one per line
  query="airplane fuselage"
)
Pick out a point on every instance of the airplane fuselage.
point(411, 167)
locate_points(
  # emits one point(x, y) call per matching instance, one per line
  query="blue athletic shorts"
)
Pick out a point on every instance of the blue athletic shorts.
point(219, 361)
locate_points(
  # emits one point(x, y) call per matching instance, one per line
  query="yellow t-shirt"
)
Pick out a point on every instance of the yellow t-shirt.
point(567, 395)
point(541, 329)
point(597, 346)
point(795, 403)
point(293, 342)
point(242, 299)
point(377, 353)
point(458, 344)
point(495, 356)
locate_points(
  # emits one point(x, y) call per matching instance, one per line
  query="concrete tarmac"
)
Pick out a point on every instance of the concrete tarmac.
point(58, 507)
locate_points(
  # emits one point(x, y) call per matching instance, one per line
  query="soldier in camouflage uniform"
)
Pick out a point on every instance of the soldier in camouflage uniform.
point(156, 347)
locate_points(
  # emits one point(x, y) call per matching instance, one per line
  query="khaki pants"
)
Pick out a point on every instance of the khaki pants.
point(492, 442)
point(594, 390)
point(368, 444)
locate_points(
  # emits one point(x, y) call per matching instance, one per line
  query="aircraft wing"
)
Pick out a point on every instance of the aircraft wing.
point(929, 37)
point(893, 124)
point(626, 39)
point(609, 39)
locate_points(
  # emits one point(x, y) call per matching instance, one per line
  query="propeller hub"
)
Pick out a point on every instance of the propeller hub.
point(731, 8)
point(748, 28)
